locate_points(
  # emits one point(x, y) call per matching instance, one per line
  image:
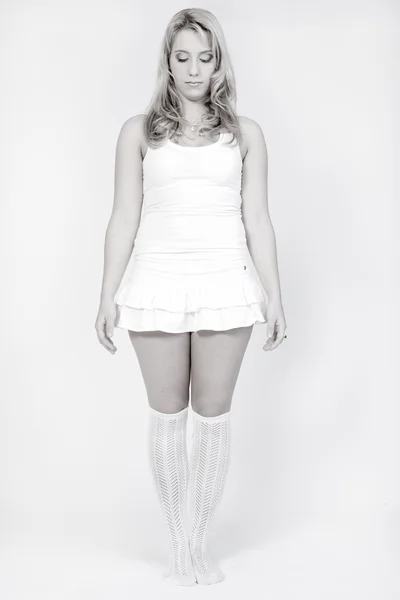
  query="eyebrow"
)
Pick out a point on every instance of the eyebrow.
point(202, 52)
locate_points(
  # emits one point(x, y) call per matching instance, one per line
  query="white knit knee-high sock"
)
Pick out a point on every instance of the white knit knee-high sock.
point(167, 451)
point(207, 475)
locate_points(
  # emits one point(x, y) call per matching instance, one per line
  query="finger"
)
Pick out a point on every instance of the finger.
point(110, 347)
point(109, 327)
point(108, 331)
point(108, 338)
point(278, 341)
point(104, 341)
point(270, 333)
point(271, 337)
point(274, 341)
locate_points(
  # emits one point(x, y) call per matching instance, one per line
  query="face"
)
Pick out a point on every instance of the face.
point(191, 60)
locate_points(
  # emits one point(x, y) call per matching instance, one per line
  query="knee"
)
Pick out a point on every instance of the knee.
point(169, 405)
point(211, 407)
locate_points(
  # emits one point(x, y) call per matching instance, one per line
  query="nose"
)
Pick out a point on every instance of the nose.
point(194, 69)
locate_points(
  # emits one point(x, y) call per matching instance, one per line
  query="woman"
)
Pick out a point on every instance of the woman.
point(190, 301)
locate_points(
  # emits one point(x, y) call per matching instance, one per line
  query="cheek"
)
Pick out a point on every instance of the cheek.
point(176, 71)
point(209, 70)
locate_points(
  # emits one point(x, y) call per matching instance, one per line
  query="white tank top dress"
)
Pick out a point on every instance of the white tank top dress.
point(190, 267)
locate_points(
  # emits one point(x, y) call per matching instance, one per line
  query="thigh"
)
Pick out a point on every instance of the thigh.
point(164, 360)
point(216, 358)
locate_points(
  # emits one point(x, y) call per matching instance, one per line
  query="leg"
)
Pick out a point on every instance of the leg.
point(216, 360)
point(164, 361)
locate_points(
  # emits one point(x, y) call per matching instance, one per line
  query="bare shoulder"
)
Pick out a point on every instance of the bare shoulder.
point(132, 131)
point(253, 136)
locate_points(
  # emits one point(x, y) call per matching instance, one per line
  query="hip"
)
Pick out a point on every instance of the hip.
point(190, 268)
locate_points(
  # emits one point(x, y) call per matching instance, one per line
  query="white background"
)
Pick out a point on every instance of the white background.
point(311, 505)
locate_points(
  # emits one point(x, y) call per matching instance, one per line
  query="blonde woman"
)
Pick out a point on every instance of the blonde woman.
point(190, 301)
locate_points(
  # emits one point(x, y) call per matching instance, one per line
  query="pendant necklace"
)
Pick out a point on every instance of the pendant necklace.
point(196, 123)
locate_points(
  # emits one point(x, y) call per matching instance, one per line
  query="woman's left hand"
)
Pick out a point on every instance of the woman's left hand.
point(276, 327)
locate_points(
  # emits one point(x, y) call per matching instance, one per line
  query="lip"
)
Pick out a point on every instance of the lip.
point(194, 82)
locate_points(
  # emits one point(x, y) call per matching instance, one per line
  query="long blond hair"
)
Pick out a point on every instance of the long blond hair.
point(164, 115)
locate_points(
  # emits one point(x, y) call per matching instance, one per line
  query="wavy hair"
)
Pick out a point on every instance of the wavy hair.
point(164, 118)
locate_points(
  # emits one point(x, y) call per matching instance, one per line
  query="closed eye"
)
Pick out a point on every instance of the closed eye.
point(185, 59)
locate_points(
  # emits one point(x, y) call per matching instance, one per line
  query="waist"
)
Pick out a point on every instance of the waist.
point(191, 264)
point(178, 232)
point(192, 198)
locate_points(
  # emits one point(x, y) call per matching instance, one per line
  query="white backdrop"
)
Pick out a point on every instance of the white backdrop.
point(311, 505)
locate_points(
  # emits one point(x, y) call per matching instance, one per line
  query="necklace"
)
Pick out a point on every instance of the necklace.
point(196, 123)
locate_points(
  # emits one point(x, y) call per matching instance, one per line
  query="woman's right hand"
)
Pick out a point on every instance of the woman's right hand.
point(105, 325)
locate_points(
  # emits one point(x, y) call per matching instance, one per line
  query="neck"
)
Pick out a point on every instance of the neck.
point(192, 111)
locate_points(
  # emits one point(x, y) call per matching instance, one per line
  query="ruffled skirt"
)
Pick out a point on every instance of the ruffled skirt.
point(183, 292)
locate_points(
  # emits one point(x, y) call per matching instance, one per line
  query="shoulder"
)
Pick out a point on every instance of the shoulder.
point(253, 136)
point(133, 130)
point(134, 125)
point(249, 126)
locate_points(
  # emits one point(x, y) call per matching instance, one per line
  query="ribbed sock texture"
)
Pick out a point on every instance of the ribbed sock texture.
point(208, 469)
point(169, 464)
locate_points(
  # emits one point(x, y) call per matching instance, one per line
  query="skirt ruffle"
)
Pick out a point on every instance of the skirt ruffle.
point(180, 309)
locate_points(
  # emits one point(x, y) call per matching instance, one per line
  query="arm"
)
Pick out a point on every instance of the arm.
point(256, 219)
point(128, 196)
